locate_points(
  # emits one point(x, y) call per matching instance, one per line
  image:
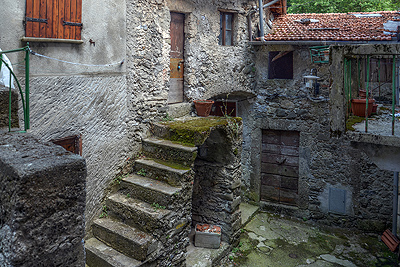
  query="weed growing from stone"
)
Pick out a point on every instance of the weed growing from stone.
point(104, 212)
point(167, 118)
point(128, 195)
point(118, 179)
point(157, 206)
point(142, 172)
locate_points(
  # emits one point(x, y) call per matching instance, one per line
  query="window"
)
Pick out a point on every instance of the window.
point(280, 65)
point(226, 29)
point(53, 19)
point(70, 143)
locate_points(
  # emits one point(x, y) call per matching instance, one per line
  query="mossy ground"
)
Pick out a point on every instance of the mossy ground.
point(353, 120)
point(270, 240)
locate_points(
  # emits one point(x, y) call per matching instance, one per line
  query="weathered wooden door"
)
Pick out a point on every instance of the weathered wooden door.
point(280, 166)
point(176, 57)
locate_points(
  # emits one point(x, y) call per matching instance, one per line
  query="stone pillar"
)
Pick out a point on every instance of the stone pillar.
point(216, 192)
point(42, 203)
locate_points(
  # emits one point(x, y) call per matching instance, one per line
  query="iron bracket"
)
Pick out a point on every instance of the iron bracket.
point(36, 20)
point(68, 23)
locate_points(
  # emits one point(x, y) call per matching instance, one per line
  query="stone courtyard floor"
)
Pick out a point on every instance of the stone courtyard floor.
point(273, 240)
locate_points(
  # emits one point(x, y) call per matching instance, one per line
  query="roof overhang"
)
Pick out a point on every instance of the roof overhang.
point(259, 43)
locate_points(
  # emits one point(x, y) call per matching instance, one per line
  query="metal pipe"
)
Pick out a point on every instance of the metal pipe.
point(27, 52)
point(249, 28)
point(261, 11)
point(393, 92)
point(395, 201)
point(367, 89)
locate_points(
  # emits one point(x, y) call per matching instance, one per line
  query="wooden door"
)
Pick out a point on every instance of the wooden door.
point(176, 57)
point(280, 166)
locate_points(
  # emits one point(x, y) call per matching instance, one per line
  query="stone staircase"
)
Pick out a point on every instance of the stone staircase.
point(149, 217)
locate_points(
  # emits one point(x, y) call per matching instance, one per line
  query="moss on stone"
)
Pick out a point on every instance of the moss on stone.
point(194, 132)
point(172, 164)
point(353, 120)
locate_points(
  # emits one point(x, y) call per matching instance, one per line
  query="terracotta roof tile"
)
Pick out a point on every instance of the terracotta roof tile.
point(332, 27)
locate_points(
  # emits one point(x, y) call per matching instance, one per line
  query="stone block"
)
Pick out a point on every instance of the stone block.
point(42, 203)
point(207, 236)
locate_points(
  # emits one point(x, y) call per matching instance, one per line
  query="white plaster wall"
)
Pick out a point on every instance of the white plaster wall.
point(69, 99)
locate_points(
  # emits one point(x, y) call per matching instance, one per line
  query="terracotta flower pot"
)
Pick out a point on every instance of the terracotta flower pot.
point(203, 107)
point(358, 106)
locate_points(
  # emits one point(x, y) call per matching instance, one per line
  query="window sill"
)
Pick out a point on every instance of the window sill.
point(50, 40)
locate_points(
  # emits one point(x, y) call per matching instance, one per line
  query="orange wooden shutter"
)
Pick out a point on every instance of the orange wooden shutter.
point(53, 19)
point(71, 23)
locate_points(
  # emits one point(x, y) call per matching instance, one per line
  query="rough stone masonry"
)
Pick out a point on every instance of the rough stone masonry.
point(42, 203)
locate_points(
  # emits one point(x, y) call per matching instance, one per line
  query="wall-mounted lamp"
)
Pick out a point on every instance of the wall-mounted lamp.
point(311, 81)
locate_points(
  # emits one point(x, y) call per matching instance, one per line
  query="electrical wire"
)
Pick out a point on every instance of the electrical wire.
point(80, 64)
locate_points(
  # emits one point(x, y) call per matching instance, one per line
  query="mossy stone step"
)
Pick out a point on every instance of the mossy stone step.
point(99, 254)
point(137, 213)
point(149, 190)
point(123, 238)
point(169, 151)
point(154, 170)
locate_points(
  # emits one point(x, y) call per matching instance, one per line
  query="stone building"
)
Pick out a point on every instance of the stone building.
point(298, 156)
point(110, 70)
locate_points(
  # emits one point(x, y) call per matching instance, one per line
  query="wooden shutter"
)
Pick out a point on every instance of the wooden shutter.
point(54, 19)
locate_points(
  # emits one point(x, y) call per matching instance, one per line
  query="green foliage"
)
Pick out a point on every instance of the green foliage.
point(104, 212)
point(341, 6)
point(167, 118)
point(118, 179)
point(142, 172)
point(157, 206)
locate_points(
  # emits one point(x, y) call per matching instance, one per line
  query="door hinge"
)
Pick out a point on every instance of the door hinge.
point(36, 20)
point(68, 23)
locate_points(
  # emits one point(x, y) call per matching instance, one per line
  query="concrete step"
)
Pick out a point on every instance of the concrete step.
point(149, 190)
point(137, 213)
point(123, 238)
point(99, 254)
point(168, 151)
point(158, 171)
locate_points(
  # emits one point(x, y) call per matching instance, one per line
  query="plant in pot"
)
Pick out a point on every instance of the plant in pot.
point(359, 105)
point(203, 107)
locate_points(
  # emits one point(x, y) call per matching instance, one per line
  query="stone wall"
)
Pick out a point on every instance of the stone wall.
point(216, 190)
point(42, 203)
point(210, 69)
point(327, 159)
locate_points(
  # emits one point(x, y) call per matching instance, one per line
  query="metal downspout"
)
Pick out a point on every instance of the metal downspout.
point(395, 201)
point(261, 11)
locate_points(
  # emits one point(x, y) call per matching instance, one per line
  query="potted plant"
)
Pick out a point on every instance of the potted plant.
point(203, 107)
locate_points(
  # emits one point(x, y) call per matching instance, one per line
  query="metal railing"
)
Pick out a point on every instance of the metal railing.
point(348, 87)
point(25, 99)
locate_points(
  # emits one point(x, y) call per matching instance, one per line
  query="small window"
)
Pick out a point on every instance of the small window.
point(280, 65)
point(226, 29)
point(70, 143)
point(53, 19)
